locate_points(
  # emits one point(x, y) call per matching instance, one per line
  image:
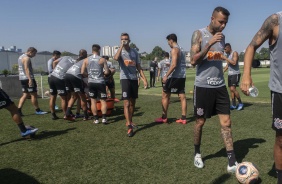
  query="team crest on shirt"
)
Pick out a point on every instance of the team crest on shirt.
point(200, 111)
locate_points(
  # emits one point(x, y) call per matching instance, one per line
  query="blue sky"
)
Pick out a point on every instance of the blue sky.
point(73, 25)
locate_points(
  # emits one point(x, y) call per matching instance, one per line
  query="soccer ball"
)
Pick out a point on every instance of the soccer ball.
point(247, 173)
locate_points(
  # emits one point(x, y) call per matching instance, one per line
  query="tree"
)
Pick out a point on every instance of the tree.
point(157, 52)
point(15, 68)
point(65, 53)
point(241, 56)
point(264, 53)
point(133, 46)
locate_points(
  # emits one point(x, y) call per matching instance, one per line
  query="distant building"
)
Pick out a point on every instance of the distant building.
point(107, 51)
point(11, 49)
point(114, 50)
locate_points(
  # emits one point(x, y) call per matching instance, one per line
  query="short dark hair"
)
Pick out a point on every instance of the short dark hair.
point(57, 53)
point(172, 37)
point(106, 57)
point(31, 49)
point(221, 9)
point(124, 34)
point(166, 54)
point(227, 44)
point(96, 47)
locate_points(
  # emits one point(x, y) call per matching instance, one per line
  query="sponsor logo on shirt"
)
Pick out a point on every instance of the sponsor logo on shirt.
point(214, 81)
point(214, 56)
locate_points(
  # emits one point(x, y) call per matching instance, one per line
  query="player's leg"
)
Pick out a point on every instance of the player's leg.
point(103, 97)
point(165, 102)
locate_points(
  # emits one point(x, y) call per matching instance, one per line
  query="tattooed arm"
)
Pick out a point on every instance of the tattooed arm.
point(267, 31)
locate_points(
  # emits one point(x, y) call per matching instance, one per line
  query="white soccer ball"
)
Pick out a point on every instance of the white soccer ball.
point(247, 172)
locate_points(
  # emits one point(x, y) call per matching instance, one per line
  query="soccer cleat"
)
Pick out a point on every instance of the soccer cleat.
point(240, 106)
point(198, 162)
point(96, 121)
point(130, 132)
point(232, 169)
point(86, 118)
point(232, 107)
point(29, 132)
point(69, 118)
point(40, 112)
point(161, 120)
point(55, 117)
point(77, 115)
point(104, 121)
point(181, 121)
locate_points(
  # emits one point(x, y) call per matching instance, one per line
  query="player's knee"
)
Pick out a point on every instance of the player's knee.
point(278, 141)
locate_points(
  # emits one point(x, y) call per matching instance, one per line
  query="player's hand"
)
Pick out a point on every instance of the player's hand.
point(217, 37)
point(145, 84)
point(246, 83)
point(30, 83)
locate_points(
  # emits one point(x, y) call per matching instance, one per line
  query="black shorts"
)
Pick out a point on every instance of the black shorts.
point(74, 84)
point(129, 88)
point(57, 86)
point(5, 100)
point(110, 82)
point(26, 88)
point(210, 101)
point(276, 103)
point(234, 80)
point(97, 90)
point(175, 85)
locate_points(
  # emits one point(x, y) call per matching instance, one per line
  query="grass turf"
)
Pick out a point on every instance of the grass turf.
point(82, 152)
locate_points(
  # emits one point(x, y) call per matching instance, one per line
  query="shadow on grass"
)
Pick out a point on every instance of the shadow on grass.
point(9, 176)
point(149, 125)
point(49, 134)
point(118, 114)
point(221, 179)
point(241, 148)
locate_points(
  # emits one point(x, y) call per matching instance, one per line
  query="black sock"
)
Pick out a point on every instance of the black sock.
point(197, 149)
point(22, 127)
point(104, 116)
point(231, 157)
point(96, 117)
point(234, 101)
point(37, 110)
point(279, 176)
point(20, 110)
point(54, 115)
point(68, 111)
point(85, 114)
point(163, 116)
point(183, 117)
point(239, 100)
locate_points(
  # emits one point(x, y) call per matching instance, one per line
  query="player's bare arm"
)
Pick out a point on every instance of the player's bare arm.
point(268, 30)
point(54, 64)
point(83, 68)
point(140, 70)
point(106, 68)
point(233, 60)
point(174, 57)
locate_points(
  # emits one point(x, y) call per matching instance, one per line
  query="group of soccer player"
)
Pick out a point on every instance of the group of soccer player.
point(210, 92)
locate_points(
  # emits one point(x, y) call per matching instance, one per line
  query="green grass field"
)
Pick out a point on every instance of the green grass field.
point(83, 152)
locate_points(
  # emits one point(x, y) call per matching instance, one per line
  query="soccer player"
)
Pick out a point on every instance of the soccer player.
point(153, 68)
point(210, 93)
point(174, 81)
point(270, 30)
point(163, 66)
point(56, 55)
point(129, 63)
point(7, 103)
point(29, 86)
point(96, 68)
point(110, 82)
point(75, 85)
point(234, 75)
point(57, 85)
